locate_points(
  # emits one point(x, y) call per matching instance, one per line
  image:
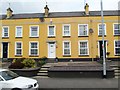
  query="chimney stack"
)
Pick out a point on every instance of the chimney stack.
point(87, 9)
point(9, 12)
point(46, 11)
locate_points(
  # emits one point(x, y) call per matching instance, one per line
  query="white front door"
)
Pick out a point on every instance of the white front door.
point(51, 50)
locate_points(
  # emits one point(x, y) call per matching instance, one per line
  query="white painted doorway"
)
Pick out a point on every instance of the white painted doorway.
point(51, 50)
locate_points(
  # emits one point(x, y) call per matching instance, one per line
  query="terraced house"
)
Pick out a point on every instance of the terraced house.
point(66, 35)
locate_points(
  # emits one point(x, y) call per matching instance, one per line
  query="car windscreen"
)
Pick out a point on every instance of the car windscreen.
point(8, 75)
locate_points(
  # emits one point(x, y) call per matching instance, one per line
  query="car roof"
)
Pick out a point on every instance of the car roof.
point(3, 69)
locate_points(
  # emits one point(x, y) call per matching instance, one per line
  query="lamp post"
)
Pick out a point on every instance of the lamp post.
point(103, 43)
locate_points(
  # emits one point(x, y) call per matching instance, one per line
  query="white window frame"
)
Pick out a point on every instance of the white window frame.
point(79, 29)
point(31, 30)
point(98, 29)
point(17, 31)
point(68, 30)
point(115, 47)
point(3, 33)
point(87, 47)
point(19, 48)
point(54, 31)
point(68, 48)
point(36, 48)
point(114, 29)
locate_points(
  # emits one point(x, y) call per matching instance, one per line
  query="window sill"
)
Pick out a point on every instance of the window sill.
point(5, 37)
point(101, 35)
point(83, 36)
point(117, 55)
point(66, 55)
point(83, 55)
point(33, 37)
point(18, 55)
point(116, 35)
point(33, 55)
point(66, 36)
point(18, 37)
point(51, 36)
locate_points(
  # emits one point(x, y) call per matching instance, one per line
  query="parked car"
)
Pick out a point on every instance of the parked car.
point(11, 81)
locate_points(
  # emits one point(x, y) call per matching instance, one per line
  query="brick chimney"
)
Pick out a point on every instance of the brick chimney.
point(87, 9)
point(9, 12)
point(46, 11)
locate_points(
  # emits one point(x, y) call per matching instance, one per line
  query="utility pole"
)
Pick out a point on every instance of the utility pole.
point(103, 44)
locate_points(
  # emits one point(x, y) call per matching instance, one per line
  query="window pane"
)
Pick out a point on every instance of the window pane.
point(34, 31)
point(100, 29)
point(19, 31)
point(5, 31)
point(66, 30)
point(33, 45)
point(18, 45)
point(82, 30)
point(116, 29)
point(83, 48)
point(51, 30)
point(18, 51)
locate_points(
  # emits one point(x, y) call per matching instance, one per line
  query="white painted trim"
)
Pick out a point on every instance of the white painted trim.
point(49, 50)
point(30, 47)
point(38, 29)
point(3, 30)
point(105, 29)
point(2, 50)
point(114, 47)
point(21, 31)
point(113, 28)
point(21, 47)
point(69, 46)
point(54, 31)
point(99, 47)
point(79, 46)
point(63, 29)
point(87, 30)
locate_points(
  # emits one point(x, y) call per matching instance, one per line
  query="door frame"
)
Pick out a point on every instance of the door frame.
point(99, 47)
point(54, 50)
point(2, 50)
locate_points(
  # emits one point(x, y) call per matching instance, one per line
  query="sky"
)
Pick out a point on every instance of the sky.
point(37, 6)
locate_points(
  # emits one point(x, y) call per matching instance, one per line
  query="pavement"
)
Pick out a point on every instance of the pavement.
point(78, 83)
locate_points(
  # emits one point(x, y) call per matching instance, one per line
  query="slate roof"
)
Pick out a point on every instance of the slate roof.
point(62, 14)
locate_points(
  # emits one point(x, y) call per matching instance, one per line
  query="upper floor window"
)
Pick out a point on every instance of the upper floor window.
point(18, 48)
point(51, 30)
point(116, 29)
point(34, 31)
point(33, 48)
point(100, 30)
point(66, 48)
point(83, 48)
point(117, 47)
point(5, 31)
point(82, 30)
point(19, 31)
point(66, 30)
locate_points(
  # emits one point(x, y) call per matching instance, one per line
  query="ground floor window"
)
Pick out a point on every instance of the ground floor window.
point(83, 47)
point(117, 47)
point(66, 48)
point(33, 48)
point(18, 48)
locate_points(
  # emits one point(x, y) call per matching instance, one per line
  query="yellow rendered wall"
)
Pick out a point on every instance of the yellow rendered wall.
point(58, 22)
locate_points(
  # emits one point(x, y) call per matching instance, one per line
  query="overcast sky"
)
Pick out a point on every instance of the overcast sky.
point(37, 6)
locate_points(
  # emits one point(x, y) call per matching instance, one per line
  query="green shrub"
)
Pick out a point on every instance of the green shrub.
point(29, 62)
point(41, 62)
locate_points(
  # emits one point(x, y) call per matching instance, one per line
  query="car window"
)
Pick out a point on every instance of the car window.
point(8, 75)
point(1, 79)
